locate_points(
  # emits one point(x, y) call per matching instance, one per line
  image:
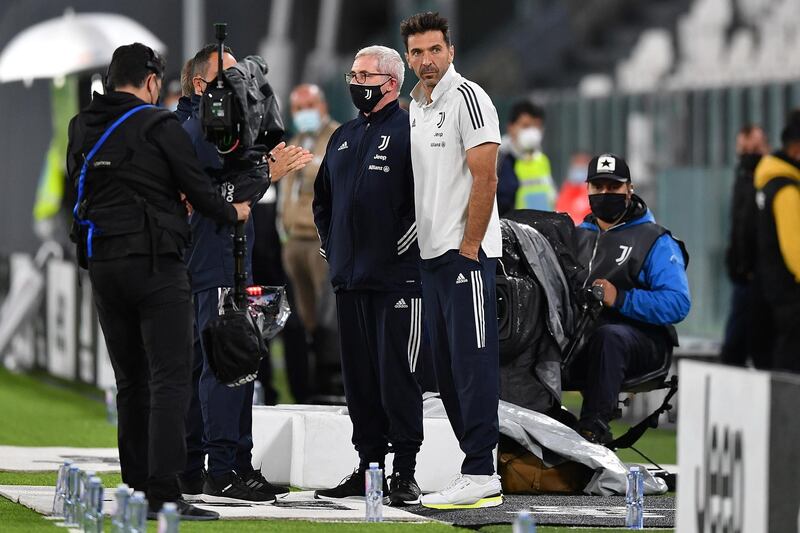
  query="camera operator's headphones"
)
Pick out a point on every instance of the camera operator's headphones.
point(153, 64)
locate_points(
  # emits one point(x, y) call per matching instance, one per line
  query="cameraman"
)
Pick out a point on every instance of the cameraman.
point(641, 268)
point(220, 420)
point(132, 231)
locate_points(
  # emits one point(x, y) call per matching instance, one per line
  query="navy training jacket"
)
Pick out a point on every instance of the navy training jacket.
point(210, 256)
point(364, 204)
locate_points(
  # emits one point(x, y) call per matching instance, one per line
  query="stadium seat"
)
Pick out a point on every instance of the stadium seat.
point(657, 379)
point(742, 51)
point(651, 60)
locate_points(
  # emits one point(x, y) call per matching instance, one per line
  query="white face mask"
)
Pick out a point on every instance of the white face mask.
point(529, 139)
point(307, 120)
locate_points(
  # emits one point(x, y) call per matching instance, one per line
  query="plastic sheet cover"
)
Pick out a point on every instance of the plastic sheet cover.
point(543, 262)
point(553, 442)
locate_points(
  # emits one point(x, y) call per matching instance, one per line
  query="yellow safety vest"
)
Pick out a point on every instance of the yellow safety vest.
point(50, 190)
point(536, 189)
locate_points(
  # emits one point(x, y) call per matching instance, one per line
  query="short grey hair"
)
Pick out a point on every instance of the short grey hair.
point(389, 61)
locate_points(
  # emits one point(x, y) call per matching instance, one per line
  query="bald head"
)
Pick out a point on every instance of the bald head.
point(308, 96)
point(309, 110)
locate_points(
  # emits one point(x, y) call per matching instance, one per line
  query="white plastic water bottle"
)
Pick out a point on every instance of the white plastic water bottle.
point(82, 515)
point(524, 523)
point(634, 499)
point(93, 517)
point(168, 518)
point(73, 493)
point(59, 500)
point(119, 523)
point(374, 493)
point(137, 513)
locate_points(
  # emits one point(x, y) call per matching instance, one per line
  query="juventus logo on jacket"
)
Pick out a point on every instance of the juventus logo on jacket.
point(384, 142)
point(441, 119)
point(626, 253)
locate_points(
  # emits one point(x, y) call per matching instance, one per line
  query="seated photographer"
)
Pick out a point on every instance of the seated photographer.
point(641, 269)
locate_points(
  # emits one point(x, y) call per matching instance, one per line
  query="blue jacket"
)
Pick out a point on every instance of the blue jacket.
point(507, 184)
point(210, 256)
point(663, 294)
point(364, 204)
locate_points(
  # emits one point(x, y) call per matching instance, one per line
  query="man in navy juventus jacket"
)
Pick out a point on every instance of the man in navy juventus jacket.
point(364, 212)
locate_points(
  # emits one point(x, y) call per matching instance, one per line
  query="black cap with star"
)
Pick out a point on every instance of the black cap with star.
point(610, 167)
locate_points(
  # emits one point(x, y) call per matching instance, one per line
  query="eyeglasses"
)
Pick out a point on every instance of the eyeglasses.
point(361, 77)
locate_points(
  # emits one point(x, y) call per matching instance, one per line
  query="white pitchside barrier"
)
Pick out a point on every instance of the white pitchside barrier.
point(309, 446)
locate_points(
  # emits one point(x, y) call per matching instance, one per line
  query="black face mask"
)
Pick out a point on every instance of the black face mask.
point(608, 207)
point(366, 97)
point(157, 103)
point(749, 161)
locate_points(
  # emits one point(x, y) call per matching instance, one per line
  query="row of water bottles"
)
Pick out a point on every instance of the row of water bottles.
point(79, 500)
point(524, 521)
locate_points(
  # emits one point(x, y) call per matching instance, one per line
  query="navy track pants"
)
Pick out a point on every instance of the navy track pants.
point(220, 418)
point(614, 353)
point(461, 315)
point(380, 336)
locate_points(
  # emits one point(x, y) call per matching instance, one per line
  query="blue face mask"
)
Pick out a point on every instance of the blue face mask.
point(577, 174)
point(307, 120)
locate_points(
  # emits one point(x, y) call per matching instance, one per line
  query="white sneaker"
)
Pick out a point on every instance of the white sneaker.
point(464, 492)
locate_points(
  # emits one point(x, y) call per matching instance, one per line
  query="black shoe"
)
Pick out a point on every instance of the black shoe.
point(256, 481)
point(187, 512)
point(403, 490)
point(192, 487)
point(231, 488)
point(595, 430)
point(350, 488)
point(190, 512)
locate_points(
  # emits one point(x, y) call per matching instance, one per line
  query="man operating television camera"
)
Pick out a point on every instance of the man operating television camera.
point(219, 422)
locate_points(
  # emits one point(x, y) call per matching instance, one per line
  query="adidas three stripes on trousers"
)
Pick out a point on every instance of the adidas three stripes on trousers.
point(380, 335)
point(458, 295)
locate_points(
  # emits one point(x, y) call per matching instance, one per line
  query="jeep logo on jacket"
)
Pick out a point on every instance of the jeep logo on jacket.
point(364, 204)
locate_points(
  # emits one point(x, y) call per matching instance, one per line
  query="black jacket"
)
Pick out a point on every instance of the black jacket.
point(210, 256)
point(778, 260)
point(364, 204)
point(133, 184)
point(741, 252)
